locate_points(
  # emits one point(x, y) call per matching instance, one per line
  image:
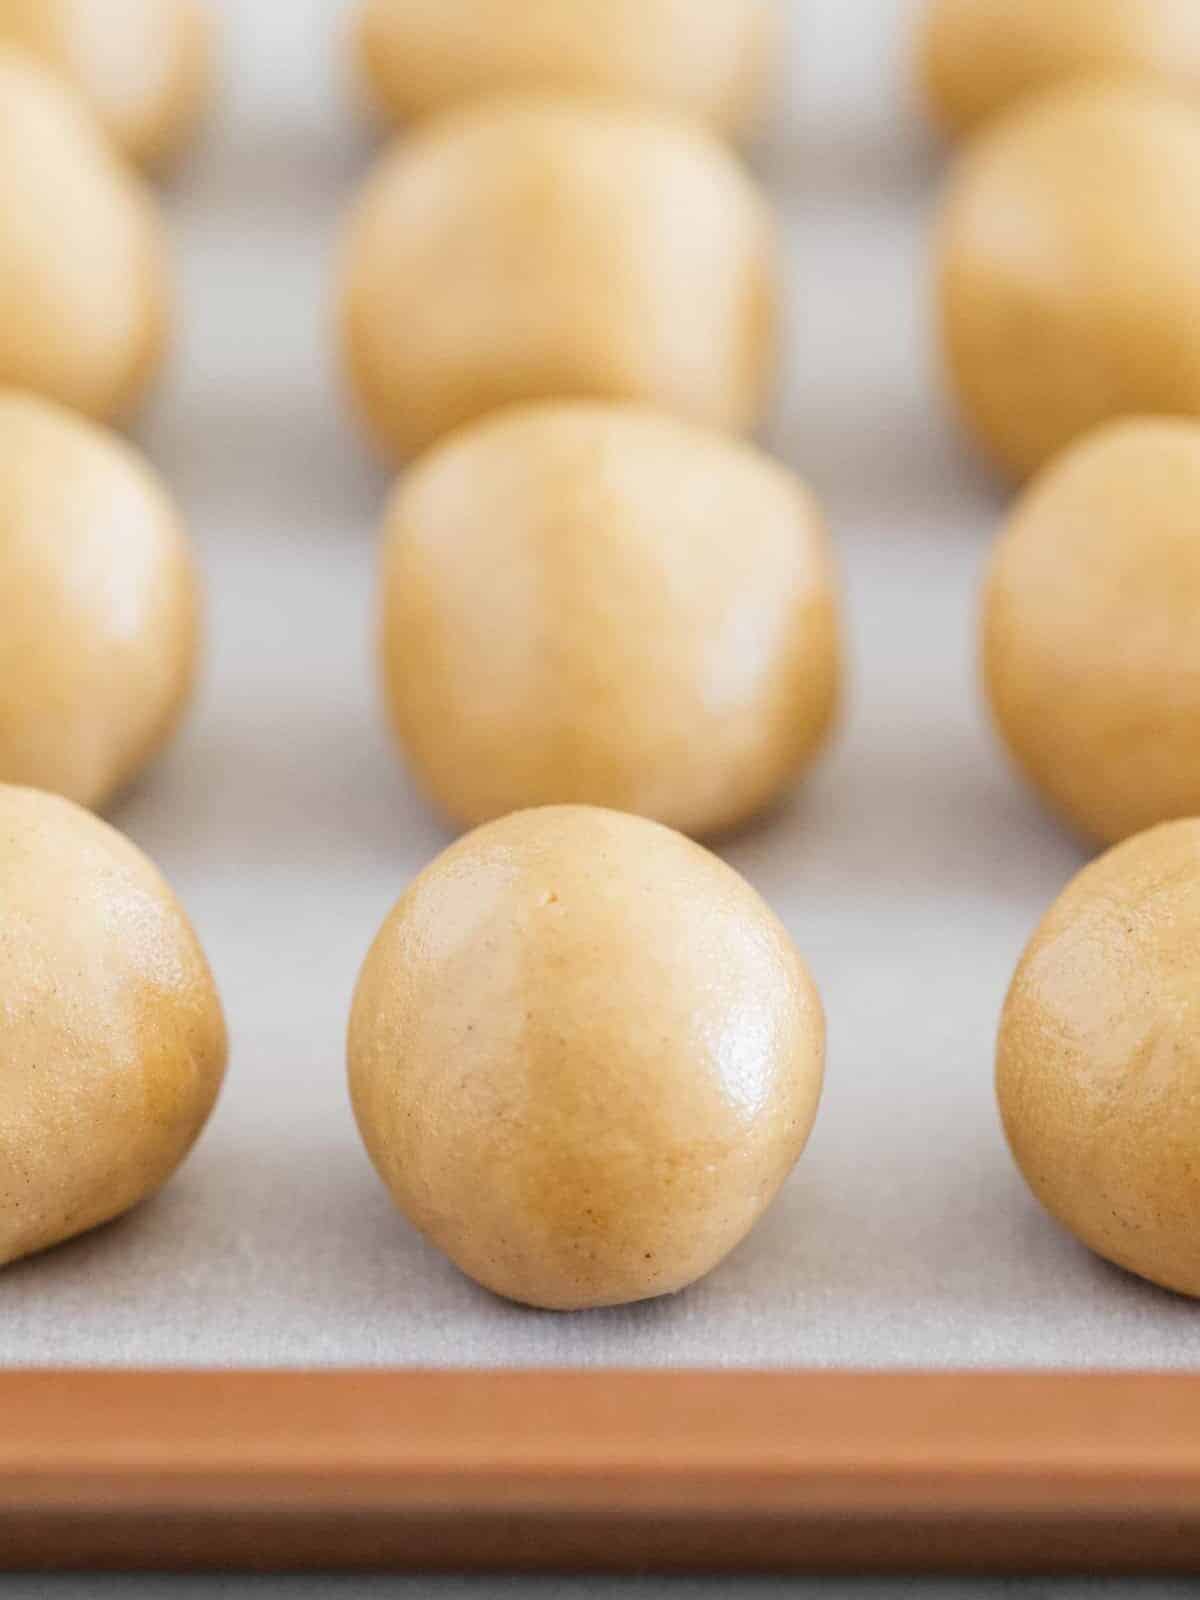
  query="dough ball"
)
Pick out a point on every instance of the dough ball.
point(111, 1034)
point(98, 630)
point(540, 249)
point(143, 66)
point(978, 57)
point(1098, 1071)
point(707, 61)
point(584, 1056)
point(1091, 645)
point(599, 603)
point(83, 275)
point(1070, 269)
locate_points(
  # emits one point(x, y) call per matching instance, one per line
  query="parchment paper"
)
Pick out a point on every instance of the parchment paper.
point(911, 869)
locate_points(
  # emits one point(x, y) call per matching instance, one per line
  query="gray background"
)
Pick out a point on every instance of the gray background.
point(911, 869)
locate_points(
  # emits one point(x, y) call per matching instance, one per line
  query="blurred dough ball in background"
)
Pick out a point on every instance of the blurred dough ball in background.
point(977, 57)
point(143, 66)
point(1098, 1065)
point(1091, 632)
point(707, 60)
point(1069, 269)
point(539, 248)
point(99, 623)
point(599, 603)
point(584, 1056)
point(111, 1033)
point(83, 270)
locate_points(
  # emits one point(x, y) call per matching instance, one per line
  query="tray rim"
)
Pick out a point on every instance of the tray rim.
point(601, 1470)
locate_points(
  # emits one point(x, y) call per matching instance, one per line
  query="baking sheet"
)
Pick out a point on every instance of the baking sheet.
point(911, 869)
point(97, 1586)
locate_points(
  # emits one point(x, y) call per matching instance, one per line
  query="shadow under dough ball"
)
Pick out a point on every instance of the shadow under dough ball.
point(83, 273)
point(707, 61)
point(602, 604)
point(584, 1056)
point(112, 1041)
point(1069, 269)
point(1090, 639)
point(143, 66)
point(1098, 1069)
point(535, 248)
point(99, 622)
point(978, 57)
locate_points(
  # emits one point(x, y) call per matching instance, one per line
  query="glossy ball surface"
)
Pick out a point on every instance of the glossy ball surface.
point(100, 623)
point(705, 61)
point(142, 66)
point(602, 604)
point(1090, 646)
point(83, 275)
point(584, 1056)
point(979, 57)
point(112, 1041)
point(1098, 1069)
point(539, 248)
point(1068, 261)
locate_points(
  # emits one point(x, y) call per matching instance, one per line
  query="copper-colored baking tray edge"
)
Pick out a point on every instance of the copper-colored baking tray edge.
point(600, 1470)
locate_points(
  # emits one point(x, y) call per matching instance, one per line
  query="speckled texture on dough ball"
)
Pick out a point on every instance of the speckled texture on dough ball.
point(540, 248)
point(83, 273)
point(1090, 640)
point(979, 57)
point(1098, 1070)
point(584, 1056)
point(112, 1041)
point(601, 604)
point(100, 614)
point(142, 66)
point(1068, 261)
point(708, 61)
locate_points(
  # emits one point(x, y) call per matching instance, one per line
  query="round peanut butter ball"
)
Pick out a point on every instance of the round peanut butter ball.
point(1069, 263)
point(584, 1056)
point(99, 626)
point(1098, 1071)
point(602, 604)
point(83, 277)
point(112, 1041)
point(981, 56)
point(143, 66)
point(1090, 640)
point(536, 248)
point(978, 57)
point(706, 61)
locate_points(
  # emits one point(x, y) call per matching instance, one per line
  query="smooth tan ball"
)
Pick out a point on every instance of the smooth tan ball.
point(99, 626)
point(584, 1056)
point(1069, 265)
point(83, 275)
point(978, 57)
point(537, 248)
point(112, 1042)
point(1090, 639)
point(706, 61)
point(1098, 1071)
point(143, 66)
point(602, 604)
